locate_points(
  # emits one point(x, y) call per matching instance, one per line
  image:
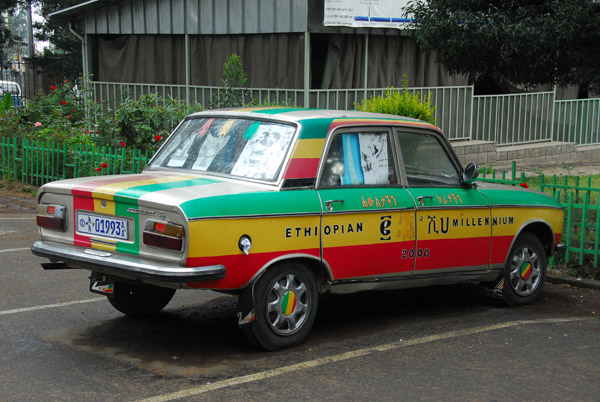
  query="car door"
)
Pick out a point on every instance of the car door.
point(453, 227)
point(367, 223)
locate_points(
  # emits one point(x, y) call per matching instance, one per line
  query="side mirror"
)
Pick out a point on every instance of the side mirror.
point(470, 174)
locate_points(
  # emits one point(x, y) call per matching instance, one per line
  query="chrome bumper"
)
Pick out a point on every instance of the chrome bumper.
point(104, 262)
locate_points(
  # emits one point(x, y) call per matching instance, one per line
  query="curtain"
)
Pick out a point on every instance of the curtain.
point(389, 58)
point(270, 60)
point(156, 59)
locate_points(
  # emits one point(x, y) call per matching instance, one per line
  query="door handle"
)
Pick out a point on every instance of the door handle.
point(421, 198)
point(329, 206)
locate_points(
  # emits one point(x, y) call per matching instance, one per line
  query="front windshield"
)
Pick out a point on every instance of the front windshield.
point(238, 147)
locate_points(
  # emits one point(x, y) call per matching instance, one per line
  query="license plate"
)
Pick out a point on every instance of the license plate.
point(102, 226)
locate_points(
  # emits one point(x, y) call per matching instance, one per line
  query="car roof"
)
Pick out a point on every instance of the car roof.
point(304, 114)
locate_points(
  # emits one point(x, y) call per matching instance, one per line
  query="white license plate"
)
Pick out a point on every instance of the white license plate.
point(103, 226)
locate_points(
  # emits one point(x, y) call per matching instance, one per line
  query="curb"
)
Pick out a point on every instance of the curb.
point(572, 281)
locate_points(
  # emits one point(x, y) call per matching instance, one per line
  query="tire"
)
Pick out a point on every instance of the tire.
point(285, 305)
point(525, 271)
point(136, 300)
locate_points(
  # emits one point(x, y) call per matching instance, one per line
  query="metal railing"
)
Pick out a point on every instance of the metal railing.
point(577, 121)
point(513, 119)
point(504, 119)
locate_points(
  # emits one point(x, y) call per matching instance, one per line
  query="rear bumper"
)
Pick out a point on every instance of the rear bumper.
point(105, 262)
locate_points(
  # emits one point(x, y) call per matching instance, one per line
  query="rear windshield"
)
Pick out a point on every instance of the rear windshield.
point(236, 147)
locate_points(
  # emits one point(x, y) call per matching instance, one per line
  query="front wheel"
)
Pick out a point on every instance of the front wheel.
point(525, 271)
point(285, 304)
point(137, 300)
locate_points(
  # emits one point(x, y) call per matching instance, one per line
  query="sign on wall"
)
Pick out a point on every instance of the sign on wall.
point(366, 13)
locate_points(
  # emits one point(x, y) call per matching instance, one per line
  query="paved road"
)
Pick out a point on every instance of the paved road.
point(60, 342)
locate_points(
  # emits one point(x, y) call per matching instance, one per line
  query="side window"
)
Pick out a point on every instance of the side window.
point(359, 158)
point(426, 162)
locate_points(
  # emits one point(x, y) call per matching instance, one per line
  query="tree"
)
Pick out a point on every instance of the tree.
point(7, 9)
point(527, 43)
point(64, 58)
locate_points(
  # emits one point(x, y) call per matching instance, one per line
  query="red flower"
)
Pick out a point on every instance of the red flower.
point(104, 165)
point(98, 169)
point(69, 117)
point(53, 88)
point(524, 185)
point(157, 138)
point(74, 110)
point(87, 132)
point(122, 144)
point(64, 102)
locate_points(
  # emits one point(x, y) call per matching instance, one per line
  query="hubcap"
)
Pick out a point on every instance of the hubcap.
point(525, 273)
point(288, 304)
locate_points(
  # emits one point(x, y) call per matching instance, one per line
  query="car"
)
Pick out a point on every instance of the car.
point(13, 89)
point(279, 205)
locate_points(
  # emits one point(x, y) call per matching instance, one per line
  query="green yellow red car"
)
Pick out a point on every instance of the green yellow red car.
point(279, 205)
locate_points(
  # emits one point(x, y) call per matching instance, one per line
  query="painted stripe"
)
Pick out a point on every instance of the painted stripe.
point(308, 148)
point(245, 266)
point(47, 306)
point(302, 168)
point(10, 250)
point(369, 260)
point(353, 354)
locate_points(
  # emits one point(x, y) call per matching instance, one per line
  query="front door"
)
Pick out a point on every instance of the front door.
point(368, 221)
point(453, 227)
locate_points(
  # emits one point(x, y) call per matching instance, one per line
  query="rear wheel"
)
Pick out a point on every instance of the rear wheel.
point(137, 300)
point(525, 271)
point(285, 304)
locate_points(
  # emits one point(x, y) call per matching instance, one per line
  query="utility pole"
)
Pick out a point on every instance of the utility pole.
point(30, 48)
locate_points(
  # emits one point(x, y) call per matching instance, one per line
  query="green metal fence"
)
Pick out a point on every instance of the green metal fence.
point(39, 162)
point(581, 204)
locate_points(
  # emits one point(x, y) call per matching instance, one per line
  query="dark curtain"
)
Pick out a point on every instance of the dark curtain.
point(156, 59)
point(389, 58)
point(270, 60)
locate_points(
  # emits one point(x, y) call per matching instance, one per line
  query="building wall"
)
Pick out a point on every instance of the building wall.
point(206, 17)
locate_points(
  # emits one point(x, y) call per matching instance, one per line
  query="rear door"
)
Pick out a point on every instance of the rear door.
point(453, 227)
point(368, 219)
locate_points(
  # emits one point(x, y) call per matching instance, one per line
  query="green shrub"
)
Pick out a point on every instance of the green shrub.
point(400, 103)
point(142, 123)
point(234, 82)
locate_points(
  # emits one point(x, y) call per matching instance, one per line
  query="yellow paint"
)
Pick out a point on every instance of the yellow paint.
point(225, 128)
point(453, 224)
point(366, 228)
point(216, 237)
point(109, 209)
point(523, 215)
point(104, 246)
point(308, 148)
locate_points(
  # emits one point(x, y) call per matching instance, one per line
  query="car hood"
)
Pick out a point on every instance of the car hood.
point(164, 190)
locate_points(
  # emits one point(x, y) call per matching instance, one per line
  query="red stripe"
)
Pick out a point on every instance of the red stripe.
point(240, 267)
point(301, 168)
point(370, 260)
point(454, 253)
point(337, 123)
point(84, 203)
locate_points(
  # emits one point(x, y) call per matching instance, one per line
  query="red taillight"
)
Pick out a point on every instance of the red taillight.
point(163, 235)
point(51, 216)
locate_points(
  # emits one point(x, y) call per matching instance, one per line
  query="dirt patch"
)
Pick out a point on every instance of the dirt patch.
point(17, 198)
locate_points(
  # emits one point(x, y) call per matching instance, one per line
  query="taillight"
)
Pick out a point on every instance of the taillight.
point(51, 216)
point(163, 235)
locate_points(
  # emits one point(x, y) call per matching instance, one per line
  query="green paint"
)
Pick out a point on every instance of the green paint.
point(121, 210)
point(260, 203)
